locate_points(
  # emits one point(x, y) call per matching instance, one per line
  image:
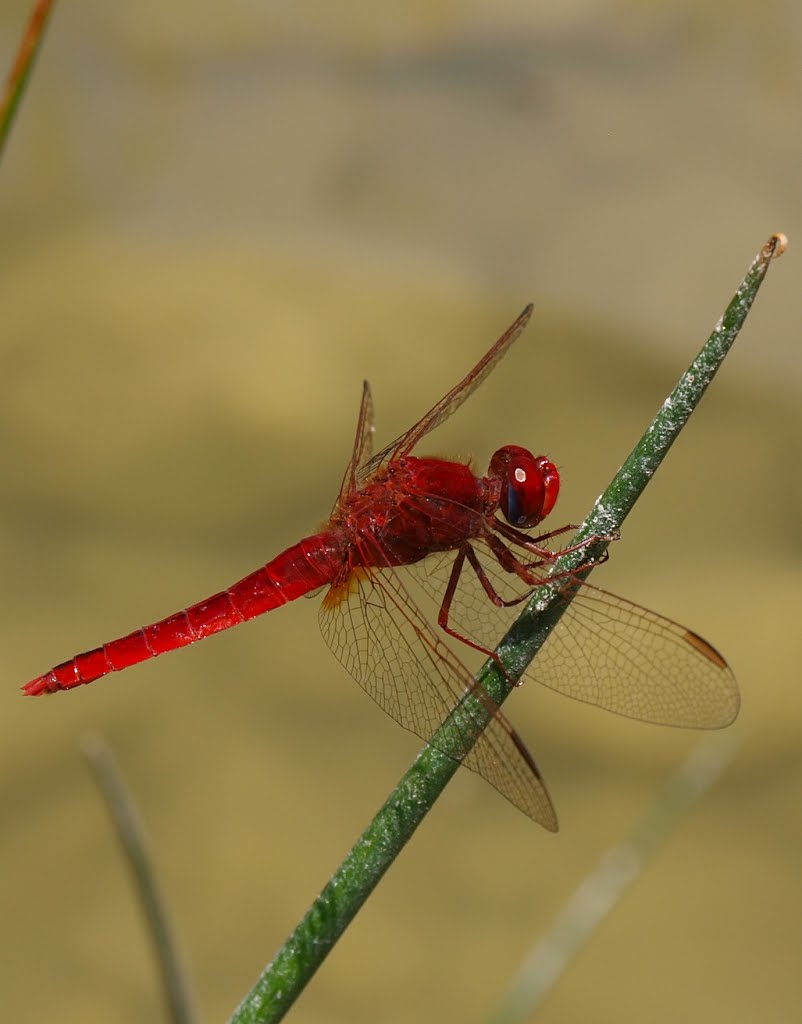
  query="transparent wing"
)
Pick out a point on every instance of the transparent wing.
point(376, 631)
point(363, 442)
point(605, 650)
point(447, 405)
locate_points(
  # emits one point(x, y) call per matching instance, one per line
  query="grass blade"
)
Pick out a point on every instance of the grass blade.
point(616, 873)
point(130, 833)
point(20, 72)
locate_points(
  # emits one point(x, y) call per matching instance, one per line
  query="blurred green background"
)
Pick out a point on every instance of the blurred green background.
point(219, 218)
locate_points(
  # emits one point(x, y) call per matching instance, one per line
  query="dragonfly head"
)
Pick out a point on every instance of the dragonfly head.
point(529, 485)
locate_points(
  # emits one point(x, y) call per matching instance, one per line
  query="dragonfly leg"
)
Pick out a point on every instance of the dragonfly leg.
point(512, 564)
point(534, 544)
point(442, 616)
point(552, 533)
point(509, 563)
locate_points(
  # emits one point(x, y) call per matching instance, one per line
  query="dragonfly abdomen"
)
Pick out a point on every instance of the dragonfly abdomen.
point(300, 569)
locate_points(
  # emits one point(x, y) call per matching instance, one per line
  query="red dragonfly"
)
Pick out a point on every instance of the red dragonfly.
point(406, 531)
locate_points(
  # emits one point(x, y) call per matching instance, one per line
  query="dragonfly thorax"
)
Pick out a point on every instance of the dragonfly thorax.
point(416, 506)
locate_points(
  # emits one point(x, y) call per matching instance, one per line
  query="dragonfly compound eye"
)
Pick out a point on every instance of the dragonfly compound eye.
point(529, 485)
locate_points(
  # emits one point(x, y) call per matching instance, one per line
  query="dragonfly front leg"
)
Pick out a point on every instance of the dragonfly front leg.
point(510, 563)
point(546, 555)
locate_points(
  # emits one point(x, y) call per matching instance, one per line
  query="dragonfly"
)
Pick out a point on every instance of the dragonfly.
point(410, 532)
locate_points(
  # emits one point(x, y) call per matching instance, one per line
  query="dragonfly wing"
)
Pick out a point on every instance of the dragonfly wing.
point(363, 443)
point(605, 650)
point(376, 631)
point(616, 654)
point(449, 404)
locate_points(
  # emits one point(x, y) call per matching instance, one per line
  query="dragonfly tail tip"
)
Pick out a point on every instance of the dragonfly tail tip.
point(40, 685)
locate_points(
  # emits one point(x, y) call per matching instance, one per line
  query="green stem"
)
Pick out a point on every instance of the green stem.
point(285, 977)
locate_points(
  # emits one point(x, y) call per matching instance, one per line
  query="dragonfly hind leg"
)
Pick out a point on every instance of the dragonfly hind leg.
point(467, 552)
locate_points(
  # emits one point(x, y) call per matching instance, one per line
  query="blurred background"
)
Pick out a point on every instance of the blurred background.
point(217, 220)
